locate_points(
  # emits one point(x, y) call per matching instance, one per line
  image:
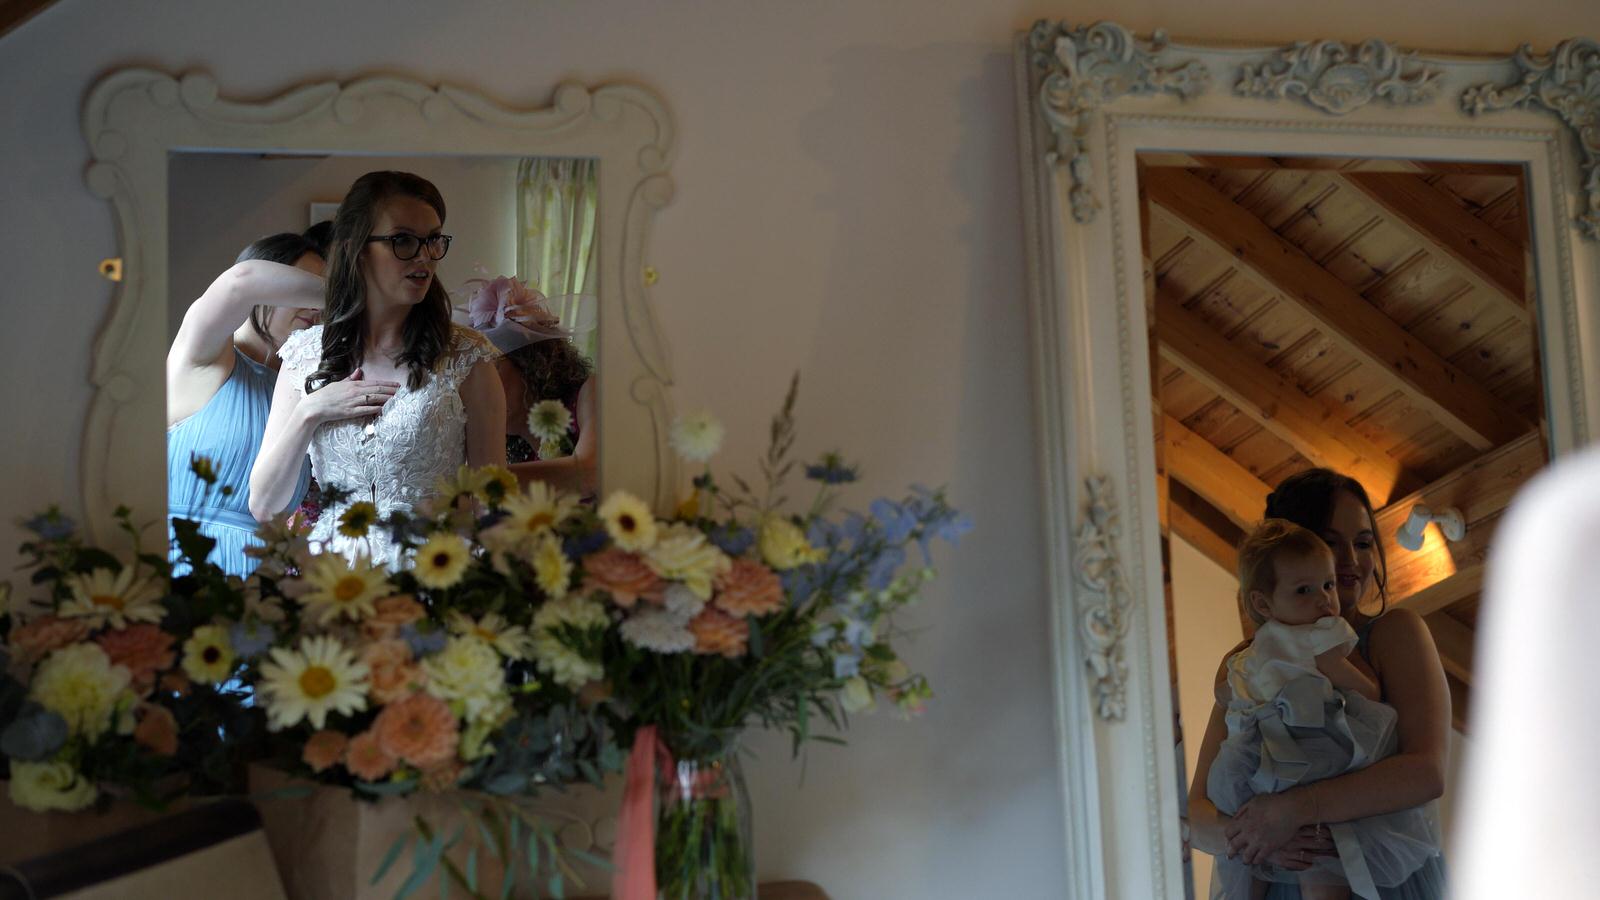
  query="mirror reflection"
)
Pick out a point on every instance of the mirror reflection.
point(1348, 393)
point(347, 332)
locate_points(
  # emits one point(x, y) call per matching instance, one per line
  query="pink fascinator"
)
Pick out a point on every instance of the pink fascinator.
point(513, 315)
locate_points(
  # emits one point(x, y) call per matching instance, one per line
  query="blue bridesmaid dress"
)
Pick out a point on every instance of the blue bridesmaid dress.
point(228, 431)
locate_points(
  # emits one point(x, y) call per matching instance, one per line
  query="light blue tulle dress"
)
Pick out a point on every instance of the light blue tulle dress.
point(227, 430)
point(1307, 733)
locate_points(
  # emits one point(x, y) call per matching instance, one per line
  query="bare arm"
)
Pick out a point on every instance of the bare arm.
point(290, 425)
point(576, 473)
point(1206, 823)
point(1336, 665)
point(1413, 682)
point(485, 402)
point(201, 356)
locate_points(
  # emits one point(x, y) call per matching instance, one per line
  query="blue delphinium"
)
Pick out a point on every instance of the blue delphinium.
point(831, 469)
point(732, 538)
point(423, 642)
point(250, 638)
point(51, 525)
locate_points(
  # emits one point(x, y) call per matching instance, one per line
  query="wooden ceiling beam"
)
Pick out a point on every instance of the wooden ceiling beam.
point(1488, 259)
point(1454, 641)
point(1428, 381)
point(1327, 163)
point(15, 13)
point(1315, 429)
point(1219, 480)
point(1212, 546)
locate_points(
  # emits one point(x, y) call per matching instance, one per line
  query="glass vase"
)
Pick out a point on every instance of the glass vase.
point(704, 849)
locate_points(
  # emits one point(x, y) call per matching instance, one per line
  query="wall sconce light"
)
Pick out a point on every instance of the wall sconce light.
point(1449, 519)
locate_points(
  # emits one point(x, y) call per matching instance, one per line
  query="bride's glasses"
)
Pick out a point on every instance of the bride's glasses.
point(407, 246)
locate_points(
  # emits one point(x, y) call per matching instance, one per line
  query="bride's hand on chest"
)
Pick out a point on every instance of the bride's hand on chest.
point(354, 397)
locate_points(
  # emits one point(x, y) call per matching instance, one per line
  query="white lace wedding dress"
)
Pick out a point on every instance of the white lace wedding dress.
point(396, 459)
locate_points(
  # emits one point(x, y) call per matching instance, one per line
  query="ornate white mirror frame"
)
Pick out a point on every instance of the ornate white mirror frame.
point(1091, 98)
point(134, 118)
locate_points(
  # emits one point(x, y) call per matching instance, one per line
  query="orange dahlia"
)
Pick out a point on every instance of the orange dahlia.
point(717, 632)
point(324, 749)
point(623, 575)
point(144, 649)
point(749, 588)
point(419, 729)
point(365, 758)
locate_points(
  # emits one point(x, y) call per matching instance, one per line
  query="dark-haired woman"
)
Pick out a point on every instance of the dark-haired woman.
point(1396, 649)
point(550, 370)
point(387, 395)
point(221, 370)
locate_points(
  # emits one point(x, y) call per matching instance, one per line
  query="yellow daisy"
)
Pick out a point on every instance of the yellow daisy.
point(114, 599)
point(323, 676)
point(551, 567)
point(511, 640)
point(208, 655)
point(495, 484)
point(357, 519)
point(629, 521)
point(442, 561)
point(335, 587)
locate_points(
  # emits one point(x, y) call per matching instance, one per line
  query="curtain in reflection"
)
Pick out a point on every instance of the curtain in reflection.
point(556, 211)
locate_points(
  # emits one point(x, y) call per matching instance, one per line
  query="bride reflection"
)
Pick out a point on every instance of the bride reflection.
point(379, 424)
point(386, 350)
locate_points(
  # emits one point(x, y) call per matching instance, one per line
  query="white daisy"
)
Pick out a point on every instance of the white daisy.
point(323, 676)
point(549, 421)
point(114, 599)
point(696, 437)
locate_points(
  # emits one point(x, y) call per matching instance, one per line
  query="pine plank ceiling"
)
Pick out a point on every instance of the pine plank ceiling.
point(1372, 316)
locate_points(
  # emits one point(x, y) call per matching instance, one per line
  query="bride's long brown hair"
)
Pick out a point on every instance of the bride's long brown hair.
point(426, 332)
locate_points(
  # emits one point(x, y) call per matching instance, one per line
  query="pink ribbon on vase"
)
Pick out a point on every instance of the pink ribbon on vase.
point(634, 856)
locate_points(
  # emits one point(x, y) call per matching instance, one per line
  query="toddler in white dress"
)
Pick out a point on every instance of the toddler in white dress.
point(1300, 711)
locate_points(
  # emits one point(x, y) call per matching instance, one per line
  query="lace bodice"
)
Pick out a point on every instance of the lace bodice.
point(396, 459)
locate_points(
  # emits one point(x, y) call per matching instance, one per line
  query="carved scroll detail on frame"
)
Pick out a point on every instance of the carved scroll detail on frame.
point(1092, 65)
point(1567, 83)
point(1104, 615)
point(1340, 78)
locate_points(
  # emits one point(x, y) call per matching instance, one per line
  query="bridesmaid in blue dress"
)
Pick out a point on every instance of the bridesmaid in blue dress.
point(221, 370)
point(1288, 830)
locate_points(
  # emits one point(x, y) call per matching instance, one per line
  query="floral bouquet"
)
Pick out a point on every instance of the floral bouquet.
point(440, 675)
point(735, 613)
point(108, 683)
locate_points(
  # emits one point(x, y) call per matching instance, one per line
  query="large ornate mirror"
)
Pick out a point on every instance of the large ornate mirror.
point(1248, 263)
point(194, 176)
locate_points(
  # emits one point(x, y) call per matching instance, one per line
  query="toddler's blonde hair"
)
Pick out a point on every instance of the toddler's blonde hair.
point(1260, 551)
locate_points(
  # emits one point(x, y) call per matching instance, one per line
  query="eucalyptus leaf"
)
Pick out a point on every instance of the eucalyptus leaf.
point(423, 861)
point(389, 858)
